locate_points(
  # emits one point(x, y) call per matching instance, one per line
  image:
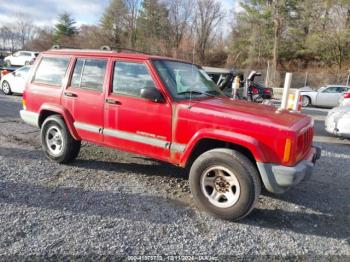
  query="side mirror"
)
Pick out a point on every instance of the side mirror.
point(152, 94)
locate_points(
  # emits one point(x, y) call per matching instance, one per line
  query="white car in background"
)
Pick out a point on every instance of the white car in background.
point(21, 58)
point(338, 121)
point(327, 96)
point(15, 82)
point(345, 99)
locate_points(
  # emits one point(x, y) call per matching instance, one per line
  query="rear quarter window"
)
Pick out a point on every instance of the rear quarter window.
point(51, 71)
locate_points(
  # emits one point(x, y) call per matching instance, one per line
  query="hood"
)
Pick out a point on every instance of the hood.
point(250, 112)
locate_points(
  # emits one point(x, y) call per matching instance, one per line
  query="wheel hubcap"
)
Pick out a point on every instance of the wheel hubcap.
point(305, 101)
point(5, 87)
point(54, 140)
point(220, 186)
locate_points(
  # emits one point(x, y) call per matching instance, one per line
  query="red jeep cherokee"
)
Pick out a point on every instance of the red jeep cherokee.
point(168, 110)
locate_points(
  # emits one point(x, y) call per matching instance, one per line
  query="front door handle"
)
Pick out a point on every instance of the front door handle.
point(112, 101)
point(70, 94)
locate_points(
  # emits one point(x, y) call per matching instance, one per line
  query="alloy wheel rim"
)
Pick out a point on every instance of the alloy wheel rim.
point(5, 87)
point(220, 186)
point(54, 140)
point(305, 101)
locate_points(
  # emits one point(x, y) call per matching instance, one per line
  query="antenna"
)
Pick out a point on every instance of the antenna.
point(119, 49)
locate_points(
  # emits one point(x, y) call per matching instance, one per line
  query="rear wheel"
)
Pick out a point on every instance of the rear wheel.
point(225, 183)
point(57, 142)
point(306, 101)
point(6, 88)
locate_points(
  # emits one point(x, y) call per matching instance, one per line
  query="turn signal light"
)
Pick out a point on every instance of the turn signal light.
point(287, 150)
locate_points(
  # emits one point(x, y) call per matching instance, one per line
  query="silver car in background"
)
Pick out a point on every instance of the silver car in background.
point(338, 121)
point(327, 96)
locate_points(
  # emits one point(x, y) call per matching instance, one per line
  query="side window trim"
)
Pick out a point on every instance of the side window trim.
point(81, 73)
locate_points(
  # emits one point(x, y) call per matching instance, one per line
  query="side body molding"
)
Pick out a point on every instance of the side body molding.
point(65, 114)
point(226, 136)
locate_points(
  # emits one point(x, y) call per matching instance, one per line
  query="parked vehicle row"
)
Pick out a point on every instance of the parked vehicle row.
point(171, 111)
point(21, 58)
point(15, 82)
point(327, 96)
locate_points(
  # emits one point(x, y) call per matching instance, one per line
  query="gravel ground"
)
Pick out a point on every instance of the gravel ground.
point(110, 203)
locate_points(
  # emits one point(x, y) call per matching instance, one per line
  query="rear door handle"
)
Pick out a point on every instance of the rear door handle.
point(112, 101)
point(70, 94)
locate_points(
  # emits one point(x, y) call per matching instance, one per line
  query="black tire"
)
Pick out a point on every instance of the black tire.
point(70, 147)
point(244, 171)
point(7, 90)
point(306, 101)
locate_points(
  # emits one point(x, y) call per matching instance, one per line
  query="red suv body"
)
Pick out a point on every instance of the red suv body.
point(168, 110)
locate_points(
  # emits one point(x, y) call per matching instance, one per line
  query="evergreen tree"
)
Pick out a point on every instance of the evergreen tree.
point(153, 26)
point(113, 23)
point(65, 27)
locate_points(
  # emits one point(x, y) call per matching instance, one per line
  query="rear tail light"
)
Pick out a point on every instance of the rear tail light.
point(267, 91)
point(346, 95)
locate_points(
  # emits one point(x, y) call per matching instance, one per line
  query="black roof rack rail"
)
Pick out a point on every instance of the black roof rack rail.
point(103, 48)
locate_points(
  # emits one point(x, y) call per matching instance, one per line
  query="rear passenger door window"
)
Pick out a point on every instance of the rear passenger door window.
point(129, 78)
point(89, 74)
point(51, 71)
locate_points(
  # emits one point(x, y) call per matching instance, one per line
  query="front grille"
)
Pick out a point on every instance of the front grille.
point(304, 142)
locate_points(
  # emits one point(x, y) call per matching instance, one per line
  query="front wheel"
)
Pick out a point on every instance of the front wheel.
point(57, 142)
point(6, 88)
point(225, 183)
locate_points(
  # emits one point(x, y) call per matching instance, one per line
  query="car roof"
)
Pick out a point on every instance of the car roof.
point(338, 86)
point(102, 53)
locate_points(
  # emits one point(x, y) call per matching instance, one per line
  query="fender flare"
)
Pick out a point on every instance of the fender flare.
point(68, 119)
point(245, 141)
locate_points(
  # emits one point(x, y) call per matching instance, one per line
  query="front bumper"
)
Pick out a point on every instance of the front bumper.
point(30, 118)
point(278, 179)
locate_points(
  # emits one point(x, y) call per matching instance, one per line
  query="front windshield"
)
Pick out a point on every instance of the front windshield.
point(185, 80)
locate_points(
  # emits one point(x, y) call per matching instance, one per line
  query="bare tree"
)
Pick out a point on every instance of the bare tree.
point(133, 7)
point(208, 16)
point(24, 28)
point(180, 14)
point(9, 37)
point(277, 19)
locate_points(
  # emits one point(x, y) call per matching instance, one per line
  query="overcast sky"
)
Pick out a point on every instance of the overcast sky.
point(45, 12)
